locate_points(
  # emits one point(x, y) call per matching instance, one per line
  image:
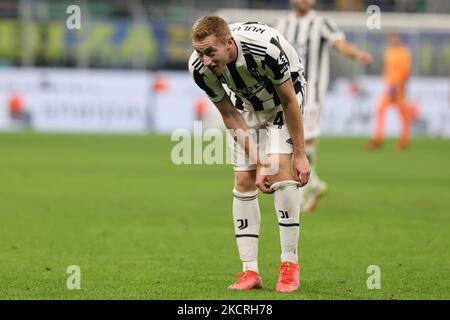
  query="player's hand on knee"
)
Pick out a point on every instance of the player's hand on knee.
point(302, 169)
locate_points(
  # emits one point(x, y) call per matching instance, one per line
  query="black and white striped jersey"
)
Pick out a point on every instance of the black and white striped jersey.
point(312, 36)
point(264, 59)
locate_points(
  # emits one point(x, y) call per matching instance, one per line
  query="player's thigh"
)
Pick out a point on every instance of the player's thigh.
point(245, 181)
point(384, 100)
point(279, 147)
point(237, 155)
point(401, 97)
point(281, 167)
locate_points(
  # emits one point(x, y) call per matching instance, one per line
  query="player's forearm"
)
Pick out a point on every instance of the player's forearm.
point(237, 127)
point(348, 49)
point(294, 122)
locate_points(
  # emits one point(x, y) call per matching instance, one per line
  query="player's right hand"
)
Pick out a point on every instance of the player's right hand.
point(302, 169)
point(365, 58)
point(261, 180)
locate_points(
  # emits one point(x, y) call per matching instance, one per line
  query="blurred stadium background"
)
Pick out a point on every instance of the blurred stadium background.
point(132, 55)
point(103, 200)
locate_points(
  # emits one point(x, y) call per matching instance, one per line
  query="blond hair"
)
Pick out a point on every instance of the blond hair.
point(210, 25)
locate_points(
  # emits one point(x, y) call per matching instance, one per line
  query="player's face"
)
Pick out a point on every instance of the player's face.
point(302, 5)
point(214, 53)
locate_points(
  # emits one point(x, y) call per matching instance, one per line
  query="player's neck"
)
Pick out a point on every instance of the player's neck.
point(301, 13)
point(233, 53)
point(396, 45)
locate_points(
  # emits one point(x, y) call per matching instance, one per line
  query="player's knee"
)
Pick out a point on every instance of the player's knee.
point(245, 181)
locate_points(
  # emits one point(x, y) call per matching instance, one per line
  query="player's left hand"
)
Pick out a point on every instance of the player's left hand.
point(302, 169)
point(365, 58)
point(261, 180)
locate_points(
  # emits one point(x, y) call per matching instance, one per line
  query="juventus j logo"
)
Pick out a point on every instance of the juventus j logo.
point(284, 214)
point(243, 224)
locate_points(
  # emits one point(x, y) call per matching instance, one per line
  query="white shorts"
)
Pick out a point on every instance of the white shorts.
point(270, 132)
point(311, 120)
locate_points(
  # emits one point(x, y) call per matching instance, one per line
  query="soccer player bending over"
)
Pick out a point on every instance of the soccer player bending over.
point(267, 82)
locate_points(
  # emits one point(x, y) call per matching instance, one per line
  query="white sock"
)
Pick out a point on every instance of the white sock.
point(287, 205)
point(247, 220)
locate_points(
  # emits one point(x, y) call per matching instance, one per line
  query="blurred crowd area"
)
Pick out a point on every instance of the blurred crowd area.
point(121, 8)
point(155, 34)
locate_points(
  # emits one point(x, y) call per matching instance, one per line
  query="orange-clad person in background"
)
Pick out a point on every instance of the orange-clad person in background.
point(397, 67)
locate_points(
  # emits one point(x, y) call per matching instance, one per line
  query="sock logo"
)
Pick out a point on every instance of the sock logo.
point(243, 224)
point(284, 214)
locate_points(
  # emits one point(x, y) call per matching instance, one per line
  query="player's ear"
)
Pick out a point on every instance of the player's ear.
point(229, 43)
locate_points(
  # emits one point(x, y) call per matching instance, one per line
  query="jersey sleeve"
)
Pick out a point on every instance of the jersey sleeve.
point(207, 81)
point(331, 31)
point(277, 63)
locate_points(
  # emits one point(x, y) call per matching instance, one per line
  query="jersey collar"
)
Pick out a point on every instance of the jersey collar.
point(311, 14)
point(240, 57)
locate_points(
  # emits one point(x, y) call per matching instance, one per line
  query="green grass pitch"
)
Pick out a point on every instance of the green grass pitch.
point(140, 227)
